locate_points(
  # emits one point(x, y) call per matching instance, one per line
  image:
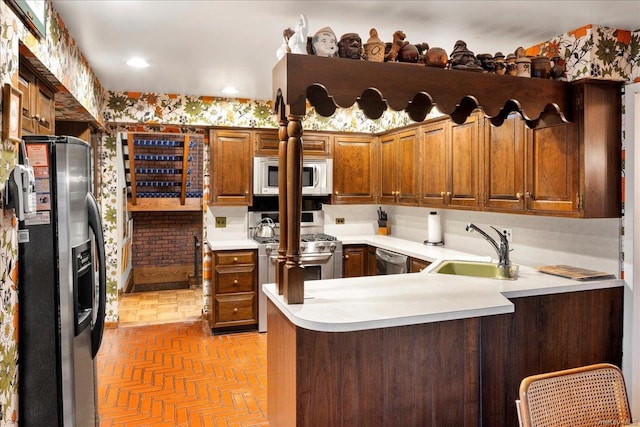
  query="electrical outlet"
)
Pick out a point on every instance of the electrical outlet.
point(339, 220)
point(221, 221)
point(508, 232)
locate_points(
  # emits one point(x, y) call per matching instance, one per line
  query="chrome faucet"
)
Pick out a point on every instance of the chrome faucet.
point(504, 265)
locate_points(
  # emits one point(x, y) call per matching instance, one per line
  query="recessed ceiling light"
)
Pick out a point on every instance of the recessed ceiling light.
point(137, 62)
point(230, 90)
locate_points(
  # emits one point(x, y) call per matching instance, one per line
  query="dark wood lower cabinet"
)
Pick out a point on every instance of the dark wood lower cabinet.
point(419, 375)
point(455, 373)
point(546, 333)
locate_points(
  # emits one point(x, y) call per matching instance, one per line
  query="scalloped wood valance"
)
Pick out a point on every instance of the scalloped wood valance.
point(329, 83)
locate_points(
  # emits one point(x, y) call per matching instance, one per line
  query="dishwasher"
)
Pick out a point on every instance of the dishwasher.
point(388, 262)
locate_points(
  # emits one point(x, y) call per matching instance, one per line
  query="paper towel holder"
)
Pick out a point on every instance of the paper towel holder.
point(441, 241)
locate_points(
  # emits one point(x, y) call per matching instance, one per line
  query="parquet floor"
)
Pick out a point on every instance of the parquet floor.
point(178, 375)
point(153, 307)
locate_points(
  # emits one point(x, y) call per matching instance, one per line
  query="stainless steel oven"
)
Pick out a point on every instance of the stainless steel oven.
point(320, 254)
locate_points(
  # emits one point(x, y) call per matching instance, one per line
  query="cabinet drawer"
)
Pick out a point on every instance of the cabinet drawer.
point(234, 258)
point(235, 309)
point(238, 279)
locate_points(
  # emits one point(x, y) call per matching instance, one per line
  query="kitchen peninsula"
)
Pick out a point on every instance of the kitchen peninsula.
point(430, 349)
point(422, 349)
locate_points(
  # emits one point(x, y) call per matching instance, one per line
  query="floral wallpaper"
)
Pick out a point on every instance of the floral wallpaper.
point(595, 52)
point(136, 107)
point(82, 94)
point(590, 51)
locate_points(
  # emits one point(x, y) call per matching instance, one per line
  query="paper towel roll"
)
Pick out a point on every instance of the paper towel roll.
point(434, 229)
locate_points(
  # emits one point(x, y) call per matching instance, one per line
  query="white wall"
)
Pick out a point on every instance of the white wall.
point(587, 243)
point(236, 228)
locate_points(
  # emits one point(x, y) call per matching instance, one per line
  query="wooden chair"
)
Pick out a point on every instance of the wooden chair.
point(587, 396)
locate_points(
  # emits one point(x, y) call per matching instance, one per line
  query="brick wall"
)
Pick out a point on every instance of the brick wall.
point(165, 238)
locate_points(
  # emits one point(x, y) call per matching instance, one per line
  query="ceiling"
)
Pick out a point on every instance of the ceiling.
point(199, 47)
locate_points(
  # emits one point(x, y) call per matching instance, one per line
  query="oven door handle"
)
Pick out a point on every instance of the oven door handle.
point(307, 258)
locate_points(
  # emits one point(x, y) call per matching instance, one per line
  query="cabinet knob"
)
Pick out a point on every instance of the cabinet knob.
point(346, 257)
point(37, 117)
point(529, 195)
point(336, 193)
point(448, 193)
point(442, 193)
point(235, 259)
point(235, 310)
point(519, 196)
point(235, 282)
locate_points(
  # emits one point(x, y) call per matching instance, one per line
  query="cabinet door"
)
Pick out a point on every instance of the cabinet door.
point(26, 85)
point(314, 144)
point(407, 168)
point(464, 163)
point(38, 108)
point(387, 175)
point(231, 175)
point(552, 175)
point(353, 169)
point(433, 145)
point(504, 168)
point(45, 115)
point(417, 265)
point(371, 261)
point(354, 264)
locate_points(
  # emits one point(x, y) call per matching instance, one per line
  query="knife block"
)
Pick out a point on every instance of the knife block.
point(384, 231)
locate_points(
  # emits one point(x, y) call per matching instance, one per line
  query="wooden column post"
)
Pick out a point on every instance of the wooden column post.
point(294, 272)
point(283, 136)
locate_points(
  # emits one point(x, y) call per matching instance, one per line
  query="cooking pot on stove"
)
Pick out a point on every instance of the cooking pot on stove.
point(265, 228)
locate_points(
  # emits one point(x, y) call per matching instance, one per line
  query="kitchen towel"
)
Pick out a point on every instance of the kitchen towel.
point(434, 229)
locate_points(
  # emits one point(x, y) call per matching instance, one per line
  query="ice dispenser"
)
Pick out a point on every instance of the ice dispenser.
point(83, 283)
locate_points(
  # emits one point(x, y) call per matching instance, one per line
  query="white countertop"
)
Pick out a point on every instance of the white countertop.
point(372, 302)
point(222, 245)
point(405, 247)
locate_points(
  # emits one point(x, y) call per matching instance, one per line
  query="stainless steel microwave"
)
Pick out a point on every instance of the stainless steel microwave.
point(317, 176)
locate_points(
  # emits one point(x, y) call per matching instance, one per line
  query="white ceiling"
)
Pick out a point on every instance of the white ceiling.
point(199, 47)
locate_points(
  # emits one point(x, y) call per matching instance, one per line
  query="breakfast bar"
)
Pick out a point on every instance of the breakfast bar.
point(430, 349)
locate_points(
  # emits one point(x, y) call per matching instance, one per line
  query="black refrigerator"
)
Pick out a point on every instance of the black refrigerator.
point(61, 288)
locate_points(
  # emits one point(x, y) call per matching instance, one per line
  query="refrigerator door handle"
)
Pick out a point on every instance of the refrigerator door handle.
point(95, 224)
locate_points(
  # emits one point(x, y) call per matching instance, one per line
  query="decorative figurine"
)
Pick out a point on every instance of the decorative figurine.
point(374, 48)
point(557, 68)
point(350, 46)
point(523, 63)
point(498, 60)
point(436, 57)
point(397, 44)
point(294, 41)
point(324, 43)
point(408, 53)
point(541, 67)
point(486, 62)
point(462, 58)
point(510, 62)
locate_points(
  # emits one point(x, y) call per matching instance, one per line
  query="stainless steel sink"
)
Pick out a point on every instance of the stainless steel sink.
point(476, 269)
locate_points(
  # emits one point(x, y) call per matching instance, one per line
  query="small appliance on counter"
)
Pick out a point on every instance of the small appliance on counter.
point(383, 222)
point(434, 230)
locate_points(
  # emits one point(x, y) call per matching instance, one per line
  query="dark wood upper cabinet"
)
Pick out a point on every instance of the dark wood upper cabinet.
point(38, 107)
point(231, 168)
point(354, 169)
